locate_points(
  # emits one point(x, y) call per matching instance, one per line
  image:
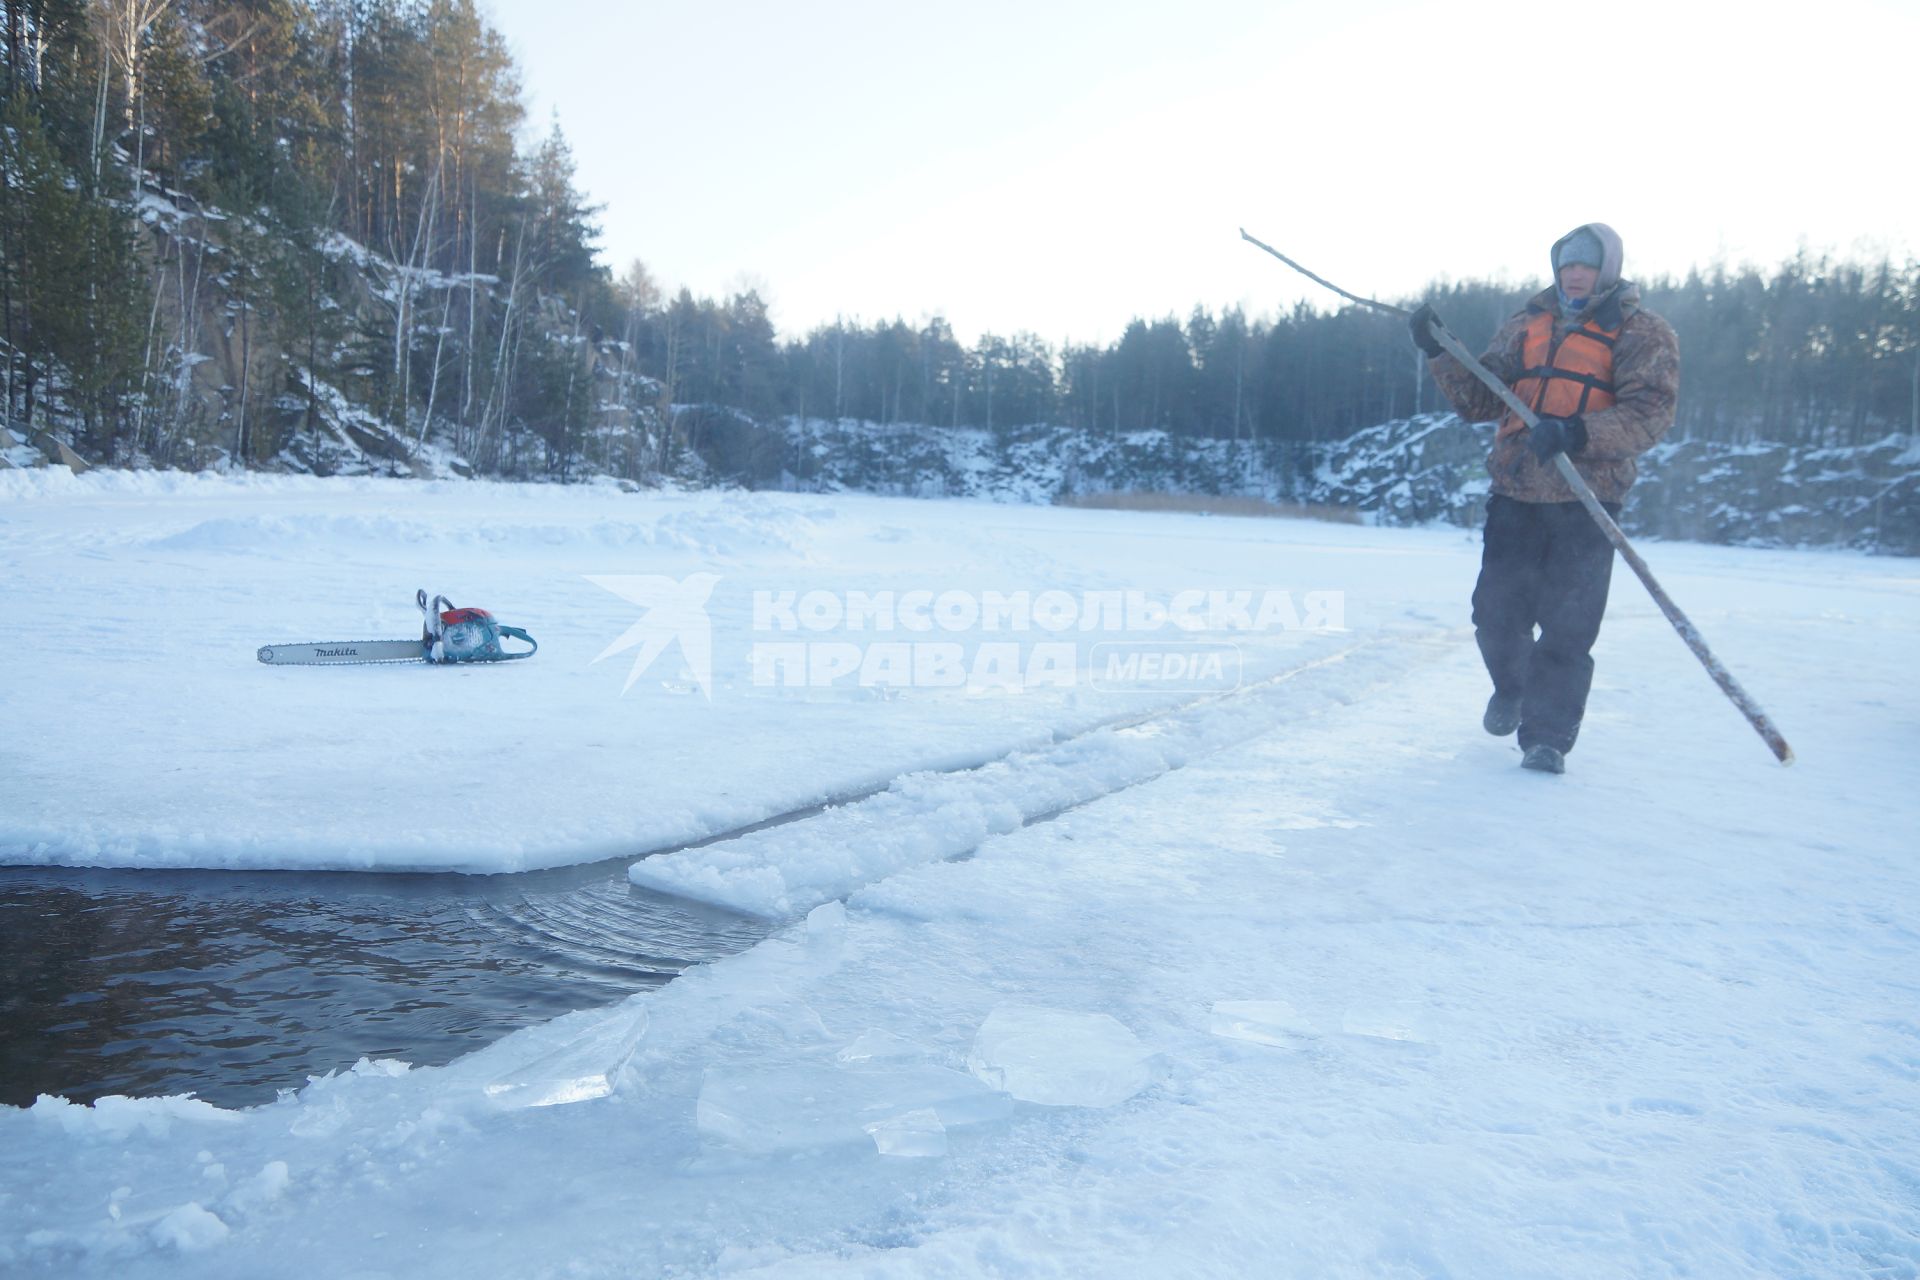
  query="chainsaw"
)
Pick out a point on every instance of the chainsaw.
point(447, 636)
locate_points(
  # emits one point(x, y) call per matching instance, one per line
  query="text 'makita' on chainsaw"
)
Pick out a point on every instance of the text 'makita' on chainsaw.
point(447, 635)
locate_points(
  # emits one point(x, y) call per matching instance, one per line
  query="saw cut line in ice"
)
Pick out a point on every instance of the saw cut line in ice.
point(785, 869)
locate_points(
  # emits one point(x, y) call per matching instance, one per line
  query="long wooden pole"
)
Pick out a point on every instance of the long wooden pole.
point(1756, 716)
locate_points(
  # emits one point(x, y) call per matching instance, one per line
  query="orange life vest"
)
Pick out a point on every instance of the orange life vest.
point(1565, 373)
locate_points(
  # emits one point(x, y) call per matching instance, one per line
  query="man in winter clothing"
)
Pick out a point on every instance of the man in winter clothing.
point(1601, 375)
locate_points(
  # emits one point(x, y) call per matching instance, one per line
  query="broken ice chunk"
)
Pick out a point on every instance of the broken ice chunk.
point(189, 1228)
point(262, 1188)
point(878, 1044)
point(826, 920)
point(580, 1069)
point(827, 933)
point(794, 1107)
point(1058, 1057)
point(917, 1133)
point(1273, 1022)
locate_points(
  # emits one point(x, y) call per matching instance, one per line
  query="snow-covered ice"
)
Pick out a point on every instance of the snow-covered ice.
point(1382, 1003)
point(138, 600)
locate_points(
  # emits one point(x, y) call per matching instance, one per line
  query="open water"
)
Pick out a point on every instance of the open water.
point(234, 985)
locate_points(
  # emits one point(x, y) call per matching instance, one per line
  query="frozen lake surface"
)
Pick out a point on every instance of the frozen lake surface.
point(1298, 975)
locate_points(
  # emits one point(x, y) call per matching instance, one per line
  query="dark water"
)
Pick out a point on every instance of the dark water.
point(232, 985)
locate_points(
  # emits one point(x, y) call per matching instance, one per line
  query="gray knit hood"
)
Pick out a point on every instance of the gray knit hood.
point(1612, 255)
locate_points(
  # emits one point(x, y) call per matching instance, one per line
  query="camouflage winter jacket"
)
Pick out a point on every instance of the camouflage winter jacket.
point(1646, 381)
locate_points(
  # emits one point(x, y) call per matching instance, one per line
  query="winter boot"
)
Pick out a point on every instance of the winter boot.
point(1503, 714)
point(1543, 758)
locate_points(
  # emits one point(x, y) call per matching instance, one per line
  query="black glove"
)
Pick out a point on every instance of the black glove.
point(1557, 435)
point(1422, 323)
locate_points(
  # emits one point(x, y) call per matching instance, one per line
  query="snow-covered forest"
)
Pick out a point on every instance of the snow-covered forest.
point(311, 236)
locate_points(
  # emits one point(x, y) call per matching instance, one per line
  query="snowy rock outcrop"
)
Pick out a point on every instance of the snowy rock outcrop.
point(1411, 471)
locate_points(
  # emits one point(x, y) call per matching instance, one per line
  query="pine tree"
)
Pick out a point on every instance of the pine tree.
point(73, 287)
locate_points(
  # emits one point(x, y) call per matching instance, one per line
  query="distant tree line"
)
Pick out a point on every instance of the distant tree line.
point(1817, 352)
point(302, 211)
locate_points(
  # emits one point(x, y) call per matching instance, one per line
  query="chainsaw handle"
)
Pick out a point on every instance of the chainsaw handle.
point(440, 604)
point(518, 634)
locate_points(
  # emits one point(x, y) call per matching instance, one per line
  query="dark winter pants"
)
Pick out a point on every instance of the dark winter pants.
point(1545, 565)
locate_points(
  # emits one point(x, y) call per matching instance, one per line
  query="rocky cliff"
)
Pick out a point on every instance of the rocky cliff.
point(1411, 471)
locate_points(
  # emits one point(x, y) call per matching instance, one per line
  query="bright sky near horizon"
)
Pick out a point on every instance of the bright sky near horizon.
point(1062, 166)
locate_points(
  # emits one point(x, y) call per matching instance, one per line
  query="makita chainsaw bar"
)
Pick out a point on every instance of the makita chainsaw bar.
point(447, 635)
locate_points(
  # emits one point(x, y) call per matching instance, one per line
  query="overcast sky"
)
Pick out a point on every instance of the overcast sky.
point(1061, 166)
